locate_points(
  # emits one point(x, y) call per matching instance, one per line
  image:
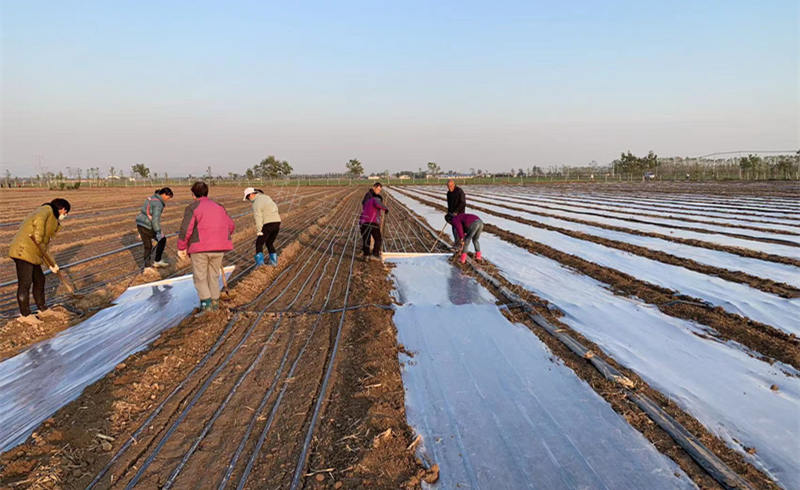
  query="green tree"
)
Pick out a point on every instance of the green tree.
point(354, 168)
point(650, 162)
point(784, 167)
point(630, 164)
point(434, 168)
point(272, 168)
point(141, 170)
point(749, 165)
point(249, 174)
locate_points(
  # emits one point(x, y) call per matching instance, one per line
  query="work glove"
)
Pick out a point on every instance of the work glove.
point(159, 236)
point(182, 255)
point(385, 211)
point(260, 234)
point(54, 268)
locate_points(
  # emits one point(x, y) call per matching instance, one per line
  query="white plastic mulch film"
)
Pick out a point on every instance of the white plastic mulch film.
point(495, 408)
point(721, 383)
point(51, 373)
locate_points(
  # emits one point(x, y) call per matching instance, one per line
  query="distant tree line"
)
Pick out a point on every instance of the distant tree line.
point(269, 168)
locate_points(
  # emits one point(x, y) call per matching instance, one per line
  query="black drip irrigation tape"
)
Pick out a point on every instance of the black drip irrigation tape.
point(325, 312)
point(163, 403)
point(273, 412)
point(8, 305)
point(151, 457)
point(702, 304)
point(703, 456)
point(131, 246)
point(301, 460)
point(183, 383)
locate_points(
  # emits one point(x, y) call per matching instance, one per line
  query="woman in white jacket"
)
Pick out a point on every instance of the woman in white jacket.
point(268, 223)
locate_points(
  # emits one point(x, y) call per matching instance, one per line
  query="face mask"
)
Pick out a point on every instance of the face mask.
point(61, 217)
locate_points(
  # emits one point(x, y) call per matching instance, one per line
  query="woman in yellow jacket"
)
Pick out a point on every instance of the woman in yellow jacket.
point(42, 224)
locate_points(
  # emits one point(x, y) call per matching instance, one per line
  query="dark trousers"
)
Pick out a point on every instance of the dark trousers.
point(372, 230)
point(148, 236)
point(29, 275)
point(269, 234)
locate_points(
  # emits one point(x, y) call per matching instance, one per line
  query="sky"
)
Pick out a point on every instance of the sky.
point(183, 85)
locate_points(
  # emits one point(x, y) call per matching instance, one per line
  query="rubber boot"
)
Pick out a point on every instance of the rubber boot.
point(205, 305)
point(214, 305)
point(273, 259)
point(259, 259)
point(478, 256)
point(463, 258)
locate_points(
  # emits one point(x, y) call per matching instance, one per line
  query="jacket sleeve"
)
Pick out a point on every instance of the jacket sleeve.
point(187, 227)
point(379, 204)
point(231, 224)
point(156, 208)
point(459, 228)
point(258, 215)
point(461, 201)
point(39, 225)
point(40, 232)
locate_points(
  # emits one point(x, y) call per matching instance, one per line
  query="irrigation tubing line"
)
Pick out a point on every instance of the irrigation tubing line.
point(301, 460)
point(276, 406)
point(176, 471)
point(216, 373)
point(123, 249)
point(8, 305)
point(183, 383)
point(256, 415)
point(161, 405)
point(268, 394)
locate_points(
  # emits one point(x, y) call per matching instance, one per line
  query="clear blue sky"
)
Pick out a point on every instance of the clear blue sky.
point(493, 85)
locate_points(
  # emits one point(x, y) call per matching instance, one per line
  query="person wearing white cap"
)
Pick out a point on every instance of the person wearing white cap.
point(268, 223)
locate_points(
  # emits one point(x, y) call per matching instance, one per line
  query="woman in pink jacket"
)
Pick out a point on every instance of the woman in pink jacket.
point(205, 236)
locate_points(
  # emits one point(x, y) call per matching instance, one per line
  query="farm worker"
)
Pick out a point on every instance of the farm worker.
point(466, 227)
point(370, 222)
point(456, 200)
point(371, 193)
point(148, 222)
point(268, 223)
point(205, 235)
point(41, 225)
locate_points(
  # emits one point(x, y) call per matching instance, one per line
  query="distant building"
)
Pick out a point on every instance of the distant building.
point(404, 177)
point(374, 177)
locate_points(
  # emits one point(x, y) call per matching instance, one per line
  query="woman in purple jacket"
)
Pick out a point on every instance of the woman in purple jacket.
point(205, 236)
point(370, 223)
point(466, 227)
